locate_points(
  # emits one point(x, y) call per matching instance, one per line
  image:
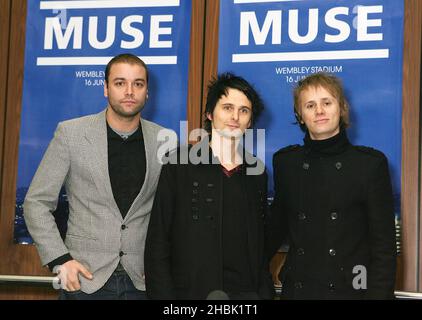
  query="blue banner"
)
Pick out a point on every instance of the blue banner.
point(273, 44)
point(69, 43)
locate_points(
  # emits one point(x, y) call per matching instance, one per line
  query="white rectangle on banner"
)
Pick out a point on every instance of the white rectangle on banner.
point(99, 61)
point(103, 4)
point(311, 55)
point(262, 1)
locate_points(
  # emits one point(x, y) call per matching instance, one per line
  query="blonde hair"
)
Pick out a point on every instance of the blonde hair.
point(330, 83)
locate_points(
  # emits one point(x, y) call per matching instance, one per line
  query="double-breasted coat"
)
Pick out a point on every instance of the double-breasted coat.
point(334, 206)
point(184, 247)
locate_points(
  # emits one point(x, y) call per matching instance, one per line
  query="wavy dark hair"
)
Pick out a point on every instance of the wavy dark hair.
point(219, 87)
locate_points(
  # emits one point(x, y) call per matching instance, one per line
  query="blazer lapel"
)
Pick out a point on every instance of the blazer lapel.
point(97, 157)
point(151, 168)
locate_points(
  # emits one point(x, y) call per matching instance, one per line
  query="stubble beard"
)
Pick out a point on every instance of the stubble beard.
point(119, 110)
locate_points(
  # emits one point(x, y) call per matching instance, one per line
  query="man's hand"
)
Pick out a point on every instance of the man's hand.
point(68, 274)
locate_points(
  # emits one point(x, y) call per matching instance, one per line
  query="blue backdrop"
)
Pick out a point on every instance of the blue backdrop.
point(68, 44)
point(273, 44)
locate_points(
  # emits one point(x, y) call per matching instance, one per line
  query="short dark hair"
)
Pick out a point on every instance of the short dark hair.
point(125, 58)
point(330, 83)
point(219, 87)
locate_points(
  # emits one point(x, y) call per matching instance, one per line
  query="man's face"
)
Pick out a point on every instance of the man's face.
point(320, 112)
point(232, 114)
point(126, 89)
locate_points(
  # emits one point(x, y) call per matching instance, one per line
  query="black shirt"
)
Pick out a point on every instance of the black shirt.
point(236, 265)
point(126, 167)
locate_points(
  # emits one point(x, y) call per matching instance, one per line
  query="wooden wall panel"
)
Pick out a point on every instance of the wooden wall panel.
point(4, 58)
point(15, 259)
point(211, 45)
point(196, 63)
point(411, 249)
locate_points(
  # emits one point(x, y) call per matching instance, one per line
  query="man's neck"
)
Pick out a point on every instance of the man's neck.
point(226, 150)
point(122, 124)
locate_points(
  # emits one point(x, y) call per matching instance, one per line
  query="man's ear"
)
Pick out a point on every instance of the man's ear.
point(298, 118)
point(105, 89)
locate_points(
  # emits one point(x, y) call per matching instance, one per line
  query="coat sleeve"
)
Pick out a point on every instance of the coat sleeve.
point(158, 277)
point(382, 269)
point(42, 196)
point(276, 226)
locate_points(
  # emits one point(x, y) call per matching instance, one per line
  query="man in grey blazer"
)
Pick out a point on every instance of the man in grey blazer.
point(108, 165)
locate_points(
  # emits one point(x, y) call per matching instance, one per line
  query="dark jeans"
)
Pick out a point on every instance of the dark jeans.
point(118, 287)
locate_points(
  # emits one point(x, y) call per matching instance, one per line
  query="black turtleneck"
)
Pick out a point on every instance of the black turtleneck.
point(328, 147)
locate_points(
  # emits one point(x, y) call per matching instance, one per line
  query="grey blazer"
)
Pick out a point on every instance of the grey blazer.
point(77, 157)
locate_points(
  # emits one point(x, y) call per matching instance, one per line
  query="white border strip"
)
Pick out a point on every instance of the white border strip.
point(99, 61)
point(102, 4)
point(311, 55)
point(262, 1)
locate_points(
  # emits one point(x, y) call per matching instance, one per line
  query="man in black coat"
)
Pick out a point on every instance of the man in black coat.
point(333, 205)
point(206, 234)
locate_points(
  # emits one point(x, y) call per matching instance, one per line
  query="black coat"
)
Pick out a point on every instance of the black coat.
point(334, 206)
point(183, 253)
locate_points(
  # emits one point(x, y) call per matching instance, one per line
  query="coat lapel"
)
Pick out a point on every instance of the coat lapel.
point(97, 156)
point(150, 142)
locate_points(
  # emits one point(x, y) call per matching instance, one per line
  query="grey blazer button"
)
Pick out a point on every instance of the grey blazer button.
point(338, 165)
point(305, 166)
point(121, 253)
point(123, 227)
point(332, 252)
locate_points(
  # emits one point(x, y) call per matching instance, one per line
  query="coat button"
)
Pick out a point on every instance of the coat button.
point(338, 165)
point(298, 285)
point(300, 252)
point(195, 217)
point(195, 184)
point(210, 185)
point(121, 253)
point(195, 191)
point(123, 227)
point(333, 215)
point(332, 252)
point(209, 200)
point(194, 200)
point(305, 166)
point(331, 287)
point(301, 216)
